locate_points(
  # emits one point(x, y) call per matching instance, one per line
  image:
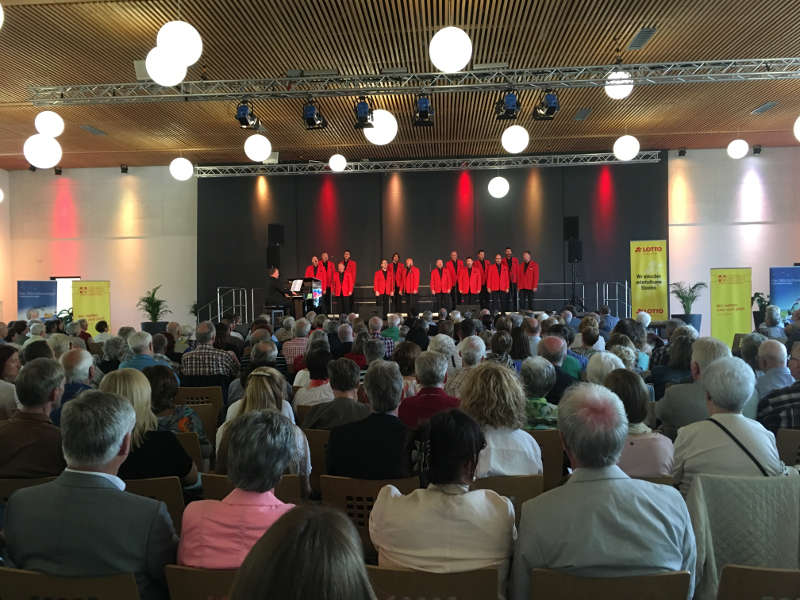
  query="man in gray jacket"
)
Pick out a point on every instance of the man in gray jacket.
point(84, 524)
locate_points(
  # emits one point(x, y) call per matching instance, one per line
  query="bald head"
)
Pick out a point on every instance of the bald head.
point(78, 365)
point(771, 355)
point(553, 348)
point(375, 324)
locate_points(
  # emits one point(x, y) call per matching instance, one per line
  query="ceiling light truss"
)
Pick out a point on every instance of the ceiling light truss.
point(434, 164)
point(321, 86)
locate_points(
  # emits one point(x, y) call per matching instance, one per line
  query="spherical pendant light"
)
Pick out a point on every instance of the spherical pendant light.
point(42, 151)
point(450, 49)
point(626, 147)
point(49, 124)
point(2, 15)
point(738, 148)
point(384, 128)
point(257, 148)
point(2, 195)
point(337, 163)
point(515, 139)
point(796, 129)
point(615, 90)
point(498, 187)
point(164, 68)
point(181, 169)
point(181, 41)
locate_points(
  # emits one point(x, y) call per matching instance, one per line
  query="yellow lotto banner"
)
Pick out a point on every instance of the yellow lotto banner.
point(91, 300)
point(731, 291)
point(649, 291)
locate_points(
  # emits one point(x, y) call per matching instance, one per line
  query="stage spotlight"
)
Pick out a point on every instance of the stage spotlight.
point(423, 114)
point(547, 108)
point(312, 116)
point(507, 107)
point(31, 168)
point(246, 117)
point(756, 149)
point(363, 111)
point(57, 170)
point(681, 151)
point(123, 168)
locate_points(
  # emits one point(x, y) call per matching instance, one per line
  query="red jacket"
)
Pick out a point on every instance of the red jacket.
point(383, 284)
point(441, 284)
point(483, 265)
point(398, 275)
point(529, 276)
point(342, 284)
point(350, 267)
point(411, 285)
point(320, 273)
point(497, 282)
point(330, 270)
point(453, 271)
point(513, 272)
point(470, 283)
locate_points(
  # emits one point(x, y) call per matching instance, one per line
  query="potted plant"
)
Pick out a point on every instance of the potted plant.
point(686, 295)
point(761, 301)
point(155, 308)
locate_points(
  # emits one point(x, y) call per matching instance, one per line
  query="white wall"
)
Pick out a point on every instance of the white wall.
point(732, 213)
point(136, 230)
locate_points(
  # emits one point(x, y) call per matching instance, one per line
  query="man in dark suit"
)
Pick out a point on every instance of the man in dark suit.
point(84, 524)
point(375, 447)
point(554, 349)
point(274, 292)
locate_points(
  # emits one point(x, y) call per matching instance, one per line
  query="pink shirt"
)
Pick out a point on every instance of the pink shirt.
point(218, 534)
point(647, 455)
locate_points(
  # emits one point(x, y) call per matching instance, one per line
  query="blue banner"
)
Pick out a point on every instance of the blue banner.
point(784, 288)
point(36, 300)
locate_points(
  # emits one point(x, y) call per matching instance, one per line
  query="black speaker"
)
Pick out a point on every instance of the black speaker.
point(273, 256)
point(574, 251)
point(274, 234)
point(571, 228)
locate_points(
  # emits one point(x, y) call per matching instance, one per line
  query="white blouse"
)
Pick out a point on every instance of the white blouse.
point(509, 452)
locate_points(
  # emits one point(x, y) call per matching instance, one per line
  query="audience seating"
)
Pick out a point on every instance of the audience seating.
point(356, 498)
point(289, 489)
point(9, 486)
point(191, 443)
point(788, 442)
point(192, 395)
point(166, 489)
point(665, 480)
point(17, 584)
point(216, 487)
point(517, 488)
point(554, 585)
point(391, 584)
point(188, 583)
point(199, 381)
point(207, 414)
point(300, 414)
point(549, 441)
point(739, 582)
point(318, 445)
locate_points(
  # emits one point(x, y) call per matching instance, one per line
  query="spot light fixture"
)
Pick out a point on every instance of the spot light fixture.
point(681, 151)
point(507, 107)
point(756, 149)
point(57, 170)
point(363, 110)
point(246, 117)
point(123, 168)
point(31, 168)
point(423, 111)
point(547, 108)
point(313, 117)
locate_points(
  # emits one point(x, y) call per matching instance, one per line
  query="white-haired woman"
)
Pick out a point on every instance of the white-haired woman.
point(772, 327)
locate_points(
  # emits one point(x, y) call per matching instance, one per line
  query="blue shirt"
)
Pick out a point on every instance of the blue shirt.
point(141, 361)
point(71, 390)
point(774, 379)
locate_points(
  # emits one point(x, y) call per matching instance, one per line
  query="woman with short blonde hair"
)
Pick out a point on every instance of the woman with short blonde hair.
point(493, 396)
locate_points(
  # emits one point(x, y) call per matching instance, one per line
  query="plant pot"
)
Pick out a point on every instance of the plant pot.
point(693, 320)
point(154, 327)
point(758, 318)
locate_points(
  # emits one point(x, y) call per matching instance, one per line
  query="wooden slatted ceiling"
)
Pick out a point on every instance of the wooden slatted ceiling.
point(94, 42)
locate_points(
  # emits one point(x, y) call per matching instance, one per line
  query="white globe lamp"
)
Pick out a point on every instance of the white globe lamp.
point(515, 139)
point(181, 169)
point(41, 151)
point(796, 129)
point(2, 195)
point(164, 68)
point(498, 187)
point(49, 124)
point(384, 128)
point(738, 148)
point(616, 87)
point(337, 163)
point(450, 49)
point(257, 148)
point(2, 15)
point(180, 40)
point(626, 147)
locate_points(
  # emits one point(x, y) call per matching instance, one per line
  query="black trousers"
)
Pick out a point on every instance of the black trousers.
point(441, 301)
point(499, 301)
point(397, 301)
point(382, 304)
point(526, 299)
point(411, 304)
point(512, 297)
point(326, 302)
point(344, 304)
point(455, 297)
point(484, 297)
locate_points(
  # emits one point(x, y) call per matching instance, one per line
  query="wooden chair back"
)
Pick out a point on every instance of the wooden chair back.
point(391, 584)
point(216, 487)
point(289, 489)
point(356, 498)
point(554, 585)
point(208, 415)
point(740, 582)
point(788, 442)
point(166, 489)
point(201, 395)
point(301, 414)
point(191, 443)
point(549, 441)
point(188, 583)
point(517, 488)
point(665, 480)
point(318, 445)
point(9, 486)
point(17, 584)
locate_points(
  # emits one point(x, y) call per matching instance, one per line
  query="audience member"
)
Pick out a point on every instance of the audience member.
point(574, 364)
point(79, 369)
point(748, 349)
point(500, 347)
point(296, 346)
point(493, 396)
point(405, 355)
point(318, 389)
point(219, 534)
point(472, 352)
point(771, 327)
point(588, 322)
point(223, 339)
point(431, 369)
point(286, 330)
point(262, 354)
point(344, 333)
point(125, 332)
point(772, 363)
point(357, 353)
point(600, 365)
point(554, 350)
point(520, 348)
point(646, 453)
point(102, 332)
point(725, 443)
point(637, 527)
point(268, 391)
point(660, 355)
point(37, 333)
point(114, 350)
point(538, 378)
point(445, 345)
point(781, 408)
point(30, 445)
point(141, 345)
point(343, 377)
point(532, 331)
point(9, 368)
point(17, 332)
point(83, 331)
point(677, 368)
point(638, 335)
point(392, 330)
point(375, 326)
point(36, 349)
point(83, 524)
point(205, 360)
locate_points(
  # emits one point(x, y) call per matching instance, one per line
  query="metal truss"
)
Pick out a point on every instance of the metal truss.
point(416, 83)
point(433, 164)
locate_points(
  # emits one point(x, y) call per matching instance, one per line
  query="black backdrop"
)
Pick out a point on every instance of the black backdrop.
point(425, 216)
